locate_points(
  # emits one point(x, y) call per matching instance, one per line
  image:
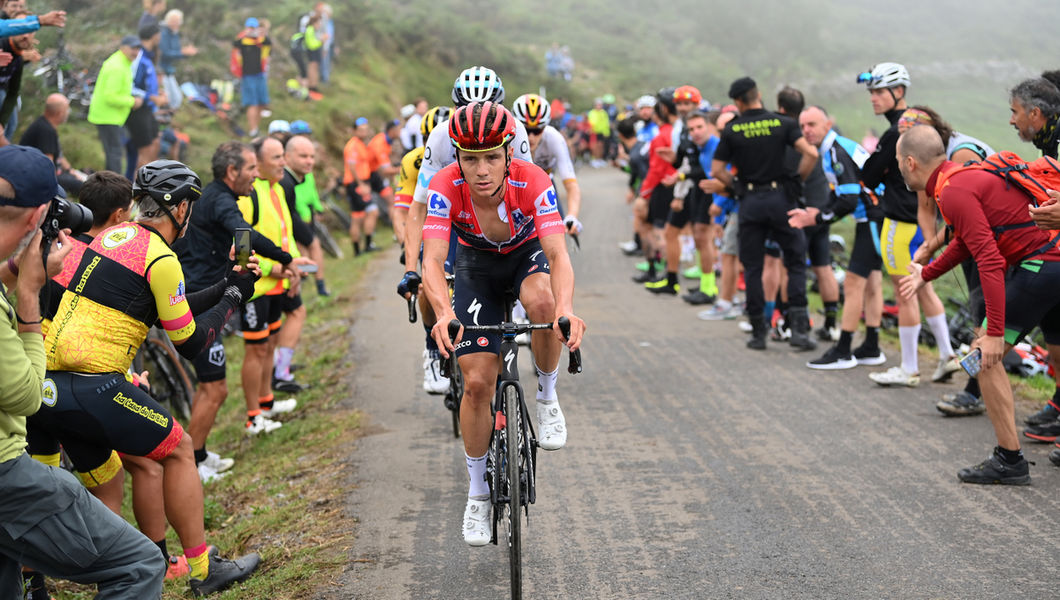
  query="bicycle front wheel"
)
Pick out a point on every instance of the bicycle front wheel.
point(513, 473)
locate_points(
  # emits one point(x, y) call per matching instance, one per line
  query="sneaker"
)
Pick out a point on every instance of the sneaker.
point(177, 567)
point(223, 573)
point(663, 287)
point(833, 360)
point(697, 298)
point(551, 427)
point(261, 424)
point(1047, 414)
point(208, 475)
point(693, 272)
point(781, 332)
point(279, 407)
point(1047, 432)
point(288, 386)
point(371, 247)
point(718, 313)
point(643, 266)
point(947, 367)
point(896, 376)
point(629, 248)
point(745, 326)
point(828, 334)
point(1054, 456)
point(215, 462)
point(869, 357)
point(433, 380)
point(994, 470)
point(477, 527)
point(960, 404)
point(645, 277)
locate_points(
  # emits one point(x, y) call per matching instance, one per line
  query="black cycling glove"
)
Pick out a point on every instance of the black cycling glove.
point(410, 283)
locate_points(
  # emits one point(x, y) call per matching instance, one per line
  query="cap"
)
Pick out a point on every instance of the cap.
point(741, 86)
point(360, 121)
point(251, 22)
point(393, 123)
point(131, 41)
point(300, 127)
point(31, 174)
point(279, 126)
point(407, 111)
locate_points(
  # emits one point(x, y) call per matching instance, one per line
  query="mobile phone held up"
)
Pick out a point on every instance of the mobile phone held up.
point(973, 362)
point(307, 269)
point(242, 243)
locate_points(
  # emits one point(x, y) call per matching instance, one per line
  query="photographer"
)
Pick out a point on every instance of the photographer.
point(98, 546)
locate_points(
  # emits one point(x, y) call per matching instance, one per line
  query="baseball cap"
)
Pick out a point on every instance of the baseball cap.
point(360, 121)
point(300, 127)
point(132, 41)
point(741, 86)
point(251, 22)
point(279, 126)
point(31, 174)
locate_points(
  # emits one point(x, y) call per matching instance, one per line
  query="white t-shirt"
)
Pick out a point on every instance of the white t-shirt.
point(439, 153)
point(410, 135)
point(553, 155)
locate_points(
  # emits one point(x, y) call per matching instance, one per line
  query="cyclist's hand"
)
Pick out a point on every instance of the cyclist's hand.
point(140, 380)
point(577, 330)
point(440, 333)
point(410, 284)
point(572, 224)
point(909, 284)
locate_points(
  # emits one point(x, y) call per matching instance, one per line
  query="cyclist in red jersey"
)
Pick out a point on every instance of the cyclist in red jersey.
point(511, 241)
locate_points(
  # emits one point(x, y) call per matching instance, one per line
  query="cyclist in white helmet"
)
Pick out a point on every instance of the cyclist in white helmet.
point(550, 151)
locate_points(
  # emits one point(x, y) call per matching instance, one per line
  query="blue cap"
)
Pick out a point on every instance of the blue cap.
point(31, 174)
point(360, 121)
point(300, 127)
point(251, 22)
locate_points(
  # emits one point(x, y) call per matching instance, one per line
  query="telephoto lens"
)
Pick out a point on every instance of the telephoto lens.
point(66, 215)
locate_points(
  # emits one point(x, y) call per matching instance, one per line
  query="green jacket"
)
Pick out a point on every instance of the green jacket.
point(112, 100)
point(307, 199)
point(21, 376)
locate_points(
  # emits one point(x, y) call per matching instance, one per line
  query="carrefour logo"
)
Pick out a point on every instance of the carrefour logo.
point(438, 205)
point(546, 203)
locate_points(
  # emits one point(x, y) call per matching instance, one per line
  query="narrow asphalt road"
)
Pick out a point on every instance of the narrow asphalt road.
point(695, 468)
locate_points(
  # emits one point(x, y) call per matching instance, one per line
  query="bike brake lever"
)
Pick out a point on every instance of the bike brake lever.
point(575, 365)
point(412, 308)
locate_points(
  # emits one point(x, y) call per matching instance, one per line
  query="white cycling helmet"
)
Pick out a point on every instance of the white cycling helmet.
point(887, 75)
point(533, 110)
point(646, 100)
point(478, 84)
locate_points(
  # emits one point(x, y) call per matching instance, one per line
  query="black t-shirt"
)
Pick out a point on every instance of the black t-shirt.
point(755, 143)
point(42, 136)
point(898, 203)
point(252, 54)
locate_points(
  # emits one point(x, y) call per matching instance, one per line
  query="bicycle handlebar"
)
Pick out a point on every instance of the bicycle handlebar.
point(574, 366)
point(412, 308)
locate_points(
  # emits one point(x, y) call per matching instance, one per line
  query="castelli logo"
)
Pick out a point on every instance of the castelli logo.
point(482, 341)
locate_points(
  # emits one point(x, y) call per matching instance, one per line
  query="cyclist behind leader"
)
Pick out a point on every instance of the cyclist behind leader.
point(128, 280)
point(511, 239)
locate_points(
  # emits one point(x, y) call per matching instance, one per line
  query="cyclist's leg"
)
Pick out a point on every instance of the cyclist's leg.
point(147, 497)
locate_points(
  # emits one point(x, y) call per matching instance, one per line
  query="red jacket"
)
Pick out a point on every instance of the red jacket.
point(657, 167)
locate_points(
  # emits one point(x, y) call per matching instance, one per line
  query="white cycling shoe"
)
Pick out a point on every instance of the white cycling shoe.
point(434, 382)
point(551, 426)
point(477, 527)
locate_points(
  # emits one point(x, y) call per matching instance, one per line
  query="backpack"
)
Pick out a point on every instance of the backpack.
point(1032, 178)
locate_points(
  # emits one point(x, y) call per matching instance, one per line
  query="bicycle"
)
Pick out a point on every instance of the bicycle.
point(172, 383)
point(511, 467)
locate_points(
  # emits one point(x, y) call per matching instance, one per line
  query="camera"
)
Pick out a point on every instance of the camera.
point(65, 215)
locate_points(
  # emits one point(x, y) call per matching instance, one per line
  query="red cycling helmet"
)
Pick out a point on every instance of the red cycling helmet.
point(481, 126)
point(687, 93)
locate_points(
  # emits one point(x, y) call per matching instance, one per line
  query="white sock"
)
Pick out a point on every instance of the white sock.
point(941, 329)
point(546, 386)
point(722, 304)
point(908, 337)
point(518, 312)
point(476, 472)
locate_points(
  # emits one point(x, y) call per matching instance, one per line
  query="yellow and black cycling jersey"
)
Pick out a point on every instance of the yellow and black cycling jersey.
point(406, 179)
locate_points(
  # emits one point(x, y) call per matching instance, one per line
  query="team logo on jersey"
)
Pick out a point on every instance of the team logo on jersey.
point(518, 217)
point(483, 342)
point(119, 236)
point(438, 205)
point(49, 393)
point(546, 202)
point(179, 297)
point(517, 184)
point(464, 215)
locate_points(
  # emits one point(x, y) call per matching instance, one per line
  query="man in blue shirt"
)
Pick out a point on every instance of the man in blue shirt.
point(142, 125)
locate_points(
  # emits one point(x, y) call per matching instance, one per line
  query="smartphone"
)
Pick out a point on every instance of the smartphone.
point(308, 268)
point(973, 362)
point(242, 243)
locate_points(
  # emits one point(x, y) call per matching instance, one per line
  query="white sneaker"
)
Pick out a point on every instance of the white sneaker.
point(896, 376)
point(215, 462)
point(434, 382)
point(629, 247)
point(551, 427)
point(279, 407)
point(261, 424)
point(947, 367)
point(745, 326)
point(718, 313)
point(208, 475)
point(477, 527)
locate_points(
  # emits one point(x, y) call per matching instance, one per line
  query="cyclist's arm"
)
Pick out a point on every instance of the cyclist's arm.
point(205, 299)
point(414, 234)
point(190, 334)
point(562, 281)
point(574, 197)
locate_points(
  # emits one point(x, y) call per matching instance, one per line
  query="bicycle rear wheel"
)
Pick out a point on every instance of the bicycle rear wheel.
point(513, 473)
point(170, 385)
point(327, 241)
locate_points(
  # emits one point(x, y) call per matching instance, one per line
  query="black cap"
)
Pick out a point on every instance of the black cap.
point(131, 41)
point(741, 86)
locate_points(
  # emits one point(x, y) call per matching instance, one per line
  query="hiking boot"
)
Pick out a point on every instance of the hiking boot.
point(223, 573)
point(758, 333)
point(960, 404)
point(551, 426)
point(833, 360)
point(996, 471)
point(261, 424)
point(434, 382)
point(279, 407)
point(869, 357)
point(1047, 432)
point(947, 367)
point(477, 527)
point(896, 376)
point(800, 330)
point(1047, 414)
point(698, 297)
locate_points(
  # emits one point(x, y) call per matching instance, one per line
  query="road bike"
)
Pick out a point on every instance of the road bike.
point(171, 378)
point(511, 462)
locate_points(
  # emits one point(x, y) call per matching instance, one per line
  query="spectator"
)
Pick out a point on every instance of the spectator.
point(100, 547)
point(11, 74)
point(43, 135)
point(314, 40)
point(250, 63)
point(153, 10)
point(600, 123)
point(554, 61)
point(10, 7)
point(113, 100)
point(566, 63)
point(143, 145)
point(170, 52)
point(303, 200)
point(410, 135)
point(327, 25)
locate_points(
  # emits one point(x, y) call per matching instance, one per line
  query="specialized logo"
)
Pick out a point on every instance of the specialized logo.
point(483, 342)
point(508, 358)
point(118, 237)
point(49, 393)
point(217, 355)
point(179, 297)
point(532, 269)
point(473, 309)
